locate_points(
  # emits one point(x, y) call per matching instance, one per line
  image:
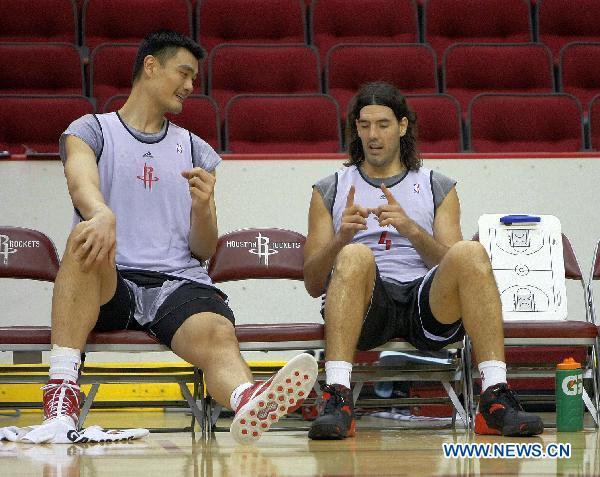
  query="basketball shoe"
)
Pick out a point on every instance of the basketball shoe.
point(62, 399)
point(336, 414)
point(264, 403)
point(500, 413)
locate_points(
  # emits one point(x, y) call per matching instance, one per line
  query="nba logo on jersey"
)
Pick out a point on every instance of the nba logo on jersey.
point(417, 188)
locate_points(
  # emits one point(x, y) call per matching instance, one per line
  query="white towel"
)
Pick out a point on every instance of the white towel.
point(61, 431)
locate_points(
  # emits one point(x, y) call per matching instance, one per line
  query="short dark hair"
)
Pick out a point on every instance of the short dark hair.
point(383, 94)
point(163, 44)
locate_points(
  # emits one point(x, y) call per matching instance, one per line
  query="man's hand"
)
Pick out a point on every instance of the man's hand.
point(95, 240)
point(392, 214)
point(354, 219)
point(202, 186)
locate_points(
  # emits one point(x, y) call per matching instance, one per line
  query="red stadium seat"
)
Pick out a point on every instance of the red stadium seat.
point(33, 124)
point(38, 21)
point(438, 122)
point(259, 21)
point(565, 21)
point(129, 21)
point(524, 123)
point(267, 124)
point(594, 117)
point(580, 70)
point(199, 115)
point(41, 68)
point(470, 69)
point(362, 21)
point(239, 69)
point(111, 68)
point(474, 21)
point(411, 68)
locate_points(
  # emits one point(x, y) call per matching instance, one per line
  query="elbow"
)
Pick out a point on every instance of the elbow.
point(205, 253)
point(314, 289)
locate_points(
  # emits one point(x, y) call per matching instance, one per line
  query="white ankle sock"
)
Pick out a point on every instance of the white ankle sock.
point(338, 372)
point(234, 400)
point(492, 373)
point(64, 363)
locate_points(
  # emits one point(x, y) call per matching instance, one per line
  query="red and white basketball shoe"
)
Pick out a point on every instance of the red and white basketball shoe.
point(263, 404)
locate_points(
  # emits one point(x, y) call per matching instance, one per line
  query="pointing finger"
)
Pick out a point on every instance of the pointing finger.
point(390, 197)
point(350, 198)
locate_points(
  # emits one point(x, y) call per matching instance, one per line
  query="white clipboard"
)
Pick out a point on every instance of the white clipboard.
point(527, 258)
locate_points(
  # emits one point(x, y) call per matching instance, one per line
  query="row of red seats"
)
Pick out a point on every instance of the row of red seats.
point(468, 70)
point(309, 123)
point(323, 23)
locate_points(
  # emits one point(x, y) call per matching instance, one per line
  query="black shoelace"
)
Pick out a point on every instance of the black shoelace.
point(336, 400)
point(508, 396)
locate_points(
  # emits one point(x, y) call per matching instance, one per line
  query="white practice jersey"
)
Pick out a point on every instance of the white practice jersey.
point(395, 256)
point(142, 184)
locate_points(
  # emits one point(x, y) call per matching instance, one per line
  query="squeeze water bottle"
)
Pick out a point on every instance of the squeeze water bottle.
point(569, 396)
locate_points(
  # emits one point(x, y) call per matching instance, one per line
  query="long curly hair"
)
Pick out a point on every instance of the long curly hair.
point(383, 94)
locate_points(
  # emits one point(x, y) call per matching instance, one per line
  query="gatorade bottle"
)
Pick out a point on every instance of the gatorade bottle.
point(569, 396)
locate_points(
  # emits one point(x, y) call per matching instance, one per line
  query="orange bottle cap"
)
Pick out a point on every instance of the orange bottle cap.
point(569, 363)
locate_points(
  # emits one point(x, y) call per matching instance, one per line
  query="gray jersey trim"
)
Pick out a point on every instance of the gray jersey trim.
point(441, 185)
point(88, 129)
point(146, 138)
point(101, 137)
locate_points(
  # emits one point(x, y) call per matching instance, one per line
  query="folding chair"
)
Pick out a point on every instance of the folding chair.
point(271, 253)
point(526, 253)
point(30, 254)
point(594, 275)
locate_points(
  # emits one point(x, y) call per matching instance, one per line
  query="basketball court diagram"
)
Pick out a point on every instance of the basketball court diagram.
point(527, 259)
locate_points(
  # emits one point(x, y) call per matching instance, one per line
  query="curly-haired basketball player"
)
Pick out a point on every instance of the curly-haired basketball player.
point(384, 243)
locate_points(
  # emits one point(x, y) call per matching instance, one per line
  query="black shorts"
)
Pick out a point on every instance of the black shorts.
point(187, 300)
point(402, 311)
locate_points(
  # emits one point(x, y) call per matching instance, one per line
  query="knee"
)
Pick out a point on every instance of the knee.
point(470, 257)
point(219, 330)
point(354, 261)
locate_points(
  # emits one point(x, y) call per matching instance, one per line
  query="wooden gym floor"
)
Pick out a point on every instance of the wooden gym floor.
point(410, 451)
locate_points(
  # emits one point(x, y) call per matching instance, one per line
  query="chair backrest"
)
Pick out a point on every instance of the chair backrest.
point(564, 21)
point(411, 68)
point(199, 115)
point(39, 20)
point(299, 123)
point(27, 253)
point(258, 22)
point(579, 70)
point(129, 21)
point(41, 68)
point(474, 21)
point(525, 123)
point(438, 122)
point(33, 124)
point(262, 69)
point(114, 103)
point(594, 118)
point(362, 21)
point(258, 253)
point(471, 69)
point(594, 275)
point(111, 68)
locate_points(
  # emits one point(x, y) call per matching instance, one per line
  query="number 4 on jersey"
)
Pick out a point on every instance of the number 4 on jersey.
point(383, 240)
